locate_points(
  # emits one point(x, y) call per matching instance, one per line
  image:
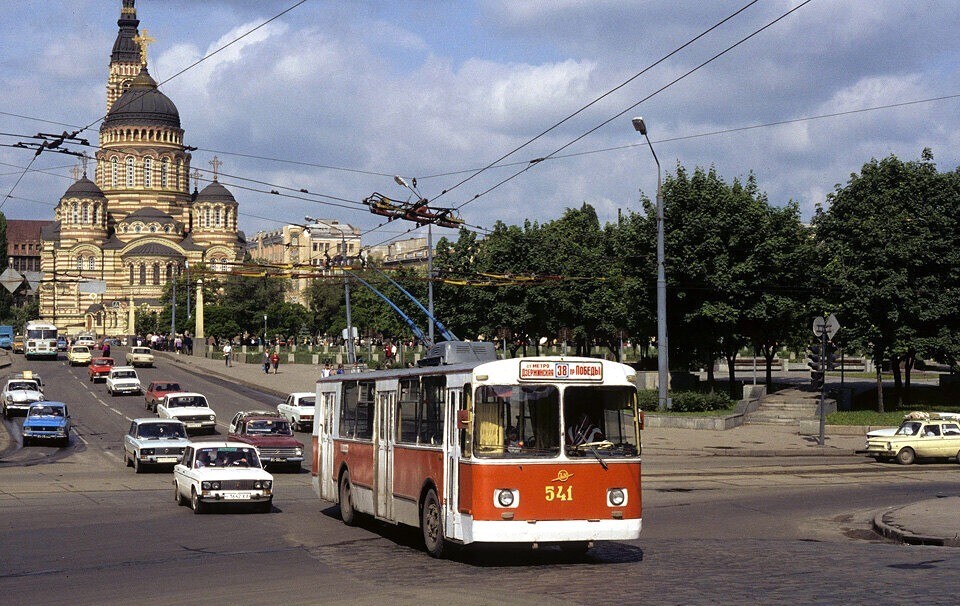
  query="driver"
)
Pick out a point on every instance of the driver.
point(584, 431)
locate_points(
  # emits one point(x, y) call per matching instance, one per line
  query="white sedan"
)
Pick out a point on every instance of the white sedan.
point(226, 473)
point(191, 408)
point(154, 441)
point(18, 395)
point(299, 409)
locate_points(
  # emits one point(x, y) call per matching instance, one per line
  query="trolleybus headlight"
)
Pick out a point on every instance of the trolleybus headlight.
point(505, 497)
point(616, 497)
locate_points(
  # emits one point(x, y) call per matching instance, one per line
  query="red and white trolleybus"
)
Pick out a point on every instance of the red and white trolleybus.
point(473, 449)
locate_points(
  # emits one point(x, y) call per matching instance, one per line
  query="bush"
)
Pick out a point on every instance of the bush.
point(685, 401)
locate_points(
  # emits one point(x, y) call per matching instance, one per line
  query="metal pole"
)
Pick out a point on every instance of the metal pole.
point(430, 277)
point(823, 386)
point(186, 264)
point(173, 307)
point(351, 354)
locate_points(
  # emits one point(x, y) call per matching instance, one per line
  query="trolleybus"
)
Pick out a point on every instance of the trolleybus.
point(472, 449)
point(40, 340)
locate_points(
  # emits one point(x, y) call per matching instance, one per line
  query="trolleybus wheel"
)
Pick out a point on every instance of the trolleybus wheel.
point(575, 548)
point(347, 512)
point(431, 525)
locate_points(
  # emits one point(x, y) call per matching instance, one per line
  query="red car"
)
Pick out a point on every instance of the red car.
point(99, 368)
point(272, 436)
point(157, 390)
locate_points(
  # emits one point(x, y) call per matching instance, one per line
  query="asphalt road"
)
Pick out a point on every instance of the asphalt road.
point(77, 527)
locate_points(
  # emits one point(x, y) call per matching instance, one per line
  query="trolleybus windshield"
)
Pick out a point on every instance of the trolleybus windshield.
point(601, 418)
point(517, 421)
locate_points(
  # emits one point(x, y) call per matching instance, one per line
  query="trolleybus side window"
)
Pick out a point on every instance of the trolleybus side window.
point(348, 409)
point(421, 410)
point(409, 397)
point(517, 421)
point(364, 415)
point(604, 417)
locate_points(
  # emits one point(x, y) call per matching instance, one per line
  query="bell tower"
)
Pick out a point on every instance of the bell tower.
point(126, 58)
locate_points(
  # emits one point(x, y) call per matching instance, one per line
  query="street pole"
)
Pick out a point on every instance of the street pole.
point(186, 265)
point(264, 332)
point(430, 278)
point(351, 354)
point(173, 305)
point(663, 349)
point(823, 388)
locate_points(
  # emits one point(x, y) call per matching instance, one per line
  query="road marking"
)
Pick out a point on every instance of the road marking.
point(79, 437)
point(114, 410)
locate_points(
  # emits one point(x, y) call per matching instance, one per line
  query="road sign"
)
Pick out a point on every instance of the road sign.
point(829, 325)
point(11, 279)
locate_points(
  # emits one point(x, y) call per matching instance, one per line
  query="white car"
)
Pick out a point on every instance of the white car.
point(123, 380)
point(18, 395)
point(154, 441)
point(228, 473)
point(140, 356)
point(85, 340)
point(884, 432)
point(79, 355)
point(298, 408)
point(189, 407)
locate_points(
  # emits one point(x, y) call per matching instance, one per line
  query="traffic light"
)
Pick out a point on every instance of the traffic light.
point(830, 356)
point(815, 355)
point(816, 380)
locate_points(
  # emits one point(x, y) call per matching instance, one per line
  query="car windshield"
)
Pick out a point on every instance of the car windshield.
point(166, 387)
point(227, 457)
point(161, 431)
point(140, 350)
point(125, 374)
point(80, 349)
point(268, 426)
point(22, 386)
point(45, 411)
point(307, 401)
point(187, 401)
point(103, 362)
point(909, 428)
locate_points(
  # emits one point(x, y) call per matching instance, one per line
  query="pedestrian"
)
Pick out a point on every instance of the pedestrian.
point(339, 369)
point(178, 344)
point(266, 362)
point(227, 350)
point(106, 350)
point(326, 370)
point(275, 360)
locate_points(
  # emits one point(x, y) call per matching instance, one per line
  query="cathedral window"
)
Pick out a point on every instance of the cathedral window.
point(79, 263)
point(178, 175)
point(130, 171)
point(164, 167)
point(148, 172)
point(169, 272)
point(137, 228)
point(153, 229)
point(115, 171)
point(85, 213)
point(156, 273)
point(131, 274)
point(166, 228)
point(206, 217)
point(216, 217)
point(143, 274)
point(74, 214)
point(91, 263)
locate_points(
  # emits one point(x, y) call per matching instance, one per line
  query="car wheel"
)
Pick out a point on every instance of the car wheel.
point(431, 525)
point(906, 456)
point(137, 466)
point(126, 460)
point(195, 502)
point(178, 497)
point(266, 506)
point(347, 512)
point(294, 425)
point(26, 441)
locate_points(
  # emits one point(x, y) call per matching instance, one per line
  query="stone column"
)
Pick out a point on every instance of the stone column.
point(198, 310)
point(131, 322)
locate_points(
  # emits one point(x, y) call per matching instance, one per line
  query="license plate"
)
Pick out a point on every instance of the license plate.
point(167, 459)
point(236, 496)
point(193, 425)
point(279, 460)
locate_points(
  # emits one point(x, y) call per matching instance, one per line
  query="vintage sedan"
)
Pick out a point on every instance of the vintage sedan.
point(99, 368)
point(47, 421)
point(140, 356)
point(154, 441)
point(918, 438)
point(191, 408)
point(123, 380)
point(156, 390)
point(18, 395)
point(18, 344)
point(272, 436)
point(299, 408)
point(79, 355)
point(227, 473)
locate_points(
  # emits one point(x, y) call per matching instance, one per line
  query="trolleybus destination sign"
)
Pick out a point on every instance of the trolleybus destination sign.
point(539, 370)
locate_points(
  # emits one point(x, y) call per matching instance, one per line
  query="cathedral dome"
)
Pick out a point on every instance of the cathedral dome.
point(143, 105)
point(215, 193)
point(84, 188)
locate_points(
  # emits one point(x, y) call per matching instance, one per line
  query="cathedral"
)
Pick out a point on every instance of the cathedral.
point(118, 240)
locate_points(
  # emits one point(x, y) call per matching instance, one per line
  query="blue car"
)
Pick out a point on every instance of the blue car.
point(47, 421)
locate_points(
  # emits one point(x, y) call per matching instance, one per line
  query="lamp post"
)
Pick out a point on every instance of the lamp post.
point(173, 304)
point(186, 266)
point(663, 362)
point(264, 332)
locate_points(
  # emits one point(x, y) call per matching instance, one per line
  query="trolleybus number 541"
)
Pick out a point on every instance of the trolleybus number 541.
point(558, 493)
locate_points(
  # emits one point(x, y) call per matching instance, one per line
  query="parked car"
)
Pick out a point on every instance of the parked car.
point(18, 344)
point(99, 368)
point(917, 438)
point(298, 408)
point(86, 339)
point(156, 390)
point(189, 407)
point(123, 380)
point(272, 436)
point(153, 441)
point(228, 473)
point(79, 355)
point(47, 421)
point(140, 356)
point(18, 395)
point(61, 343)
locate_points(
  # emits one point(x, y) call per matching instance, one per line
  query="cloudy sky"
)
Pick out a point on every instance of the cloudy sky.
point(337, 97)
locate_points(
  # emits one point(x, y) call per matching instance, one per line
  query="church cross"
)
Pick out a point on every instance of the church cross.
point(75, 171)
point(216, 164)
point(83, 161)
point(196, 178)
point(143, 41)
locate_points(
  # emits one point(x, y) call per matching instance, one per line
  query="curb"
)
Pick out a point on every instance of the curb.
point(200, 372)
point(719, 451)
point(888, 530)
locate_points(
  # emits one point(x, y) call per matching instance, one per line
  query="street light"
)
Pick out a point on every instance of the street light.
point(663, 363)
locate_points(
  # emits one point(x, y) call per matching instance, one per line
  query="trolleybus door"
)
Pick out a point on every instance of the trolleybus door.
point(451, 463)
point(325, 431)
point(383, 450)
